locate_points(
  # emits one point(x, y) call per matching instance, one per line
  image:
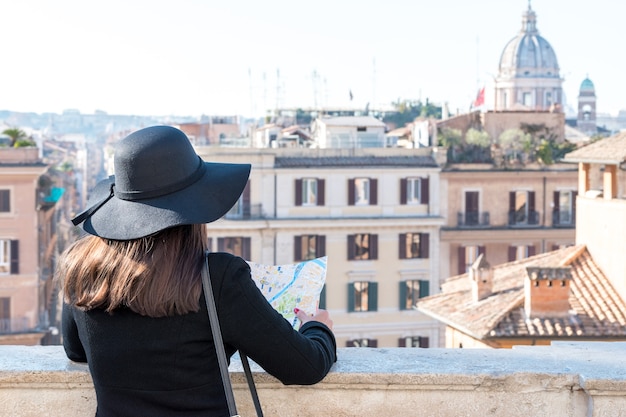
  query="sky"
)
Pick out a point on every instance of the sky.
point(204, 57)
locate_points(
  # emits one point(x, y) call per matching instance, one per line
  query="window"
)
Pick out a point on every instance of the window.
point(241, 209)
point(5, 201)
point(527, 99)
point(362, 246)
point(9, 257)
point(548, 99)
point(564, 212)
point(362, 191)
point(362, 296)
point(522, 208)
point(372, 343)
point(238, 246)
point(309, 192)
point(414, 191)
point(414, 341)
point(414, 245)
point(519, 252)
point(468, 255)
point(472, 213)
point(411, 291)
point(5, 314)
point(309, 247)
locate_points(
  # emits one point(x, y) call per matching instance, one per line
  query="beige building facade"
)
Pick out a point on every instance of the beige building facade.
point(20, 283)
point(374, 212)
point(505, 214)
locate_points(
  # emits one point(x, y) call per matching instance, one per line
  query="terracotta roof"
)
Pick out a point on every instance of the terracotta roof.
point(597, 310)
point(418, 161)
point(611, 150)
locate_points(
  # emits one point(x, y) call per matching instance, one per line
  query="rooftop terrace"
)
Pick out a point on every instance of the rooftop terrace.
point(583, 379)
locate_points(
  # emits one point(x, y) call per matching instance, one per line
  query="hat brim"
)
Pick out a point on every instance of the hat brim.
point(204, 201)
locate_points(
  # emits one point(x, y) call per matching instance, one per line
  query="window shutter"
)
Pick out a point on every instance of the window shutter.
point(574, 194)
point(512, 201)
point(320, 192)
point(320, 246)
point(322, 303)
point(424, 246)
point(556, 200)
point(245, 200)
point(351, 297)
point(220, 244)
point(531, 201)
point(372, 343)
point(5, 308)
point(424, 288)
point(402, 246)
point(351, 192)
point(512, 253)
point(245, 243)
point(531, 250)
point(15, 257)
point(482, 250)
point(402, 292)
point(424, 190)
point(424, 342)
point(297, 248)
point(403, 186)
point(372, 296)
point(373, 191)
point(373, 239)
point(402, 342)
point(461, 256)
point(298, 201)
point(351, 247)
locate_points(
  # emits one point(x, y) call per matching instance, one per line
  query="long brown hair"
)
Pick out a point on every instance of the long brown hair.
point(156, 276)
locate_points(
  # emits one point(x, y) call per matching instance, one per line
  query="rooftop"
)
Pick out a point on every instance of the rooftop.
point(597, 310)
point(611, 150)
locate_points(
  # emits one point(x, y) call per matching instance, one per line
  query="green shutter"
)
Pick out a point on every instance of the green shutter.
point(372, 296)
point(402, 291)
point(350, 297)
point(424, 288)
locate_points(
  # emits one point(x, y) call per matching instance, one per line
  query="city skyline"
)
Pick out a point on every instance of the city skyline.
point(243, 57)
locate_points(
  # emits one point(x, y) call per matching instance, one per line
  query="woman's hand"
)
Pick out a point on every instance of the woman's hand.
point(321, 315)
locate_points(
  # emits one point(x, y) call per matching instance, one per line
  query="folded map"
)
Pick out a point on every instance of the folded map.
point(292, 285)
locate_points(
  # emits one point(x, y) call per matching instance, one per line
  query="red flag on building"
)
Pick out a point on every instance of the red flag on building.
point(480, 98)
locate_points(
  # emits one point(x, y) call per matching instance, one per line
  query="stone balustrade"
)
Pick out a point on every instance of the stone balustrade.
point(579, 379)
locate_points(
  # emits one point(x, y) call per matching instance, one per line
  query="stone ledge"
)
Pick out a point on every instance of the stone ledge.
point(565, 379)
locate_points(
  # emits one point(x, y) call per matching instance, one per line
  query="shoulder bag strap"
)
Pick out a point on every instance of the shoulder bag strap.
point(219, 347)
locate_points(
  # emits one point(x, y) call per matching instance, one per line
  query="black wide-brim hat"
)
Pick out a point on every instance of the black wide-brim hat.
point(160, 182)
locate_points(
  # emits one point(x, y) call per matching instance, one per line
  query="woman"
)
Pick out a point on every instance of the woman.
point(134, 308)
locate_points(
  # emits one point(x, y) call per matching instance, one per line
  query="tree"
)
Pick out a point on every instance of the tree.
point(15, 134)
point(477, 138)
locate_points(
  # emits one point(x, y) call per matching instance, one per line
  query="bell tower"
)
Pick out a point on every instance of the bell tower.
point(586, 120)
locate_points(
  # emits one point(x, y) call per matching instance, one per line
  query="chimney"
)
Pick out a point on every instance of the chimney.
point(546, 292)
point(481, 276)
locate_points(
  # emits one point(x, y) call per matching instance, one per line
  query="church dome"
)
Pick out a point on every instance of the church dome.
point(587, 85)
point(528, 55)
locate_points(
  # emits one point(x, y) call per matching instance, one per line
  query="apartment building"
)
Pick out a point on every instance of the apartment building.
point(505, 214)
point(21, 283)
point(374, 212)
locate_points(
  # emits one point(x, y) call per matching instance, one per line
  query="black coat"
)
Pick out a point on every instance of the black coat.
point(144, 366)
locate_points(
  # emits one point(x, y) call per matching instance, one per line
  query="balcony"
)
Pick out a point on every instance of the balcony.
point(246, 212)
point(14, 325)
point(563, 218)
point(566, 379)
point(521, 219)
point(473, 219)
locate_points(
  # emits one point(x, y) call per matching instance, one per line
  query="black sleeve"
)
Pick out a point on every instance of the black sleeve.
point(71, 342)
point(250, 324)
